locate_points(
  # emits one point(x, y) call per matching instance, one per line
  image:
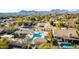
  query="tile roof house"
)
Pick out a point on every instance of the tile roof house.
point(65, 33)
point(24, 31)
point(42, 26)
point(38, 41)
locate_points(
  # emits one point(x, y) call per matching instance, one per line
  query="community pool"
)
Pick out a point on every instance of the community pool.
point(38, 35)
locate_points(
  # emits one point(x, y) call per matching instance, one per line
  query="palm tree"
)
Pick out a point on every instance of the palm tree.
point(50, 35)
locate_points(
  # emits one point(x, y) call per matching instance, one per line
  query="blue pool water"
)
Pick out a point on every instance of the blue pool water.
point(66, 46)
point(38, 35)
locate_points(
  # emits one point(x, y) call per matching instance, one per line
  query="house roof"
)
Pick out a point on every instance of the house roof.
point(44, 26)
point(40, 40)
point(23, 31)
point(9, 36)
point(41, 24)
point(18, 41)
point(65, 32)
point(2, 29)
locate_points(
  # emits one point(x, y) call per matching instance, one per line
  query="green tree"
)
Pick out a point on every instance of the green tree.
point(45, 46)
point(55, 41)
point(22, 21)
point(10, 27)
point(50, 35)
point(58, 24)
point(19, 21)
point(4, 43)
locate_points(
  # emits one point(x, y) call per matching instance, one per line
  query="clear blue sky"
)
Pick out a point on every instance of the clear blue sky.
point(17, 5)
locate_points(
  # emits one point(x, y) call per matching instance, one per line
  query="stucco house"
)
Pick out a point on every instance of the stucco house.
point(69, 34)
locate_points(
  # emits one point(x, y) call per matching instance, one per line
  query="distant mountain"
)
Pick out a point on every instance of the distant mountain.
point(23, 12)
point(53, 11)
point(33, 12)
point(77, 11)
point(58, 11)
point(8, 14)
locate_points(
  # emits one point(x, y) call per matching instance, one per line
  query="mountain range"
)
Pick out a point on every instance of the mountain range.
point(33, 12)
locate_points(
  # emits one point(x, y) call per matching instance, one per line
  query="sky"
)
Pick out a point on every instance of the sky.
point(38, 5)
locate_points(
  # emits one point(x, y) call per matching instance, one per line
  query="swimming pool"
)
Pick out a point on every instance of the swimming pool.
point(38, 35)
point(66, 46)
